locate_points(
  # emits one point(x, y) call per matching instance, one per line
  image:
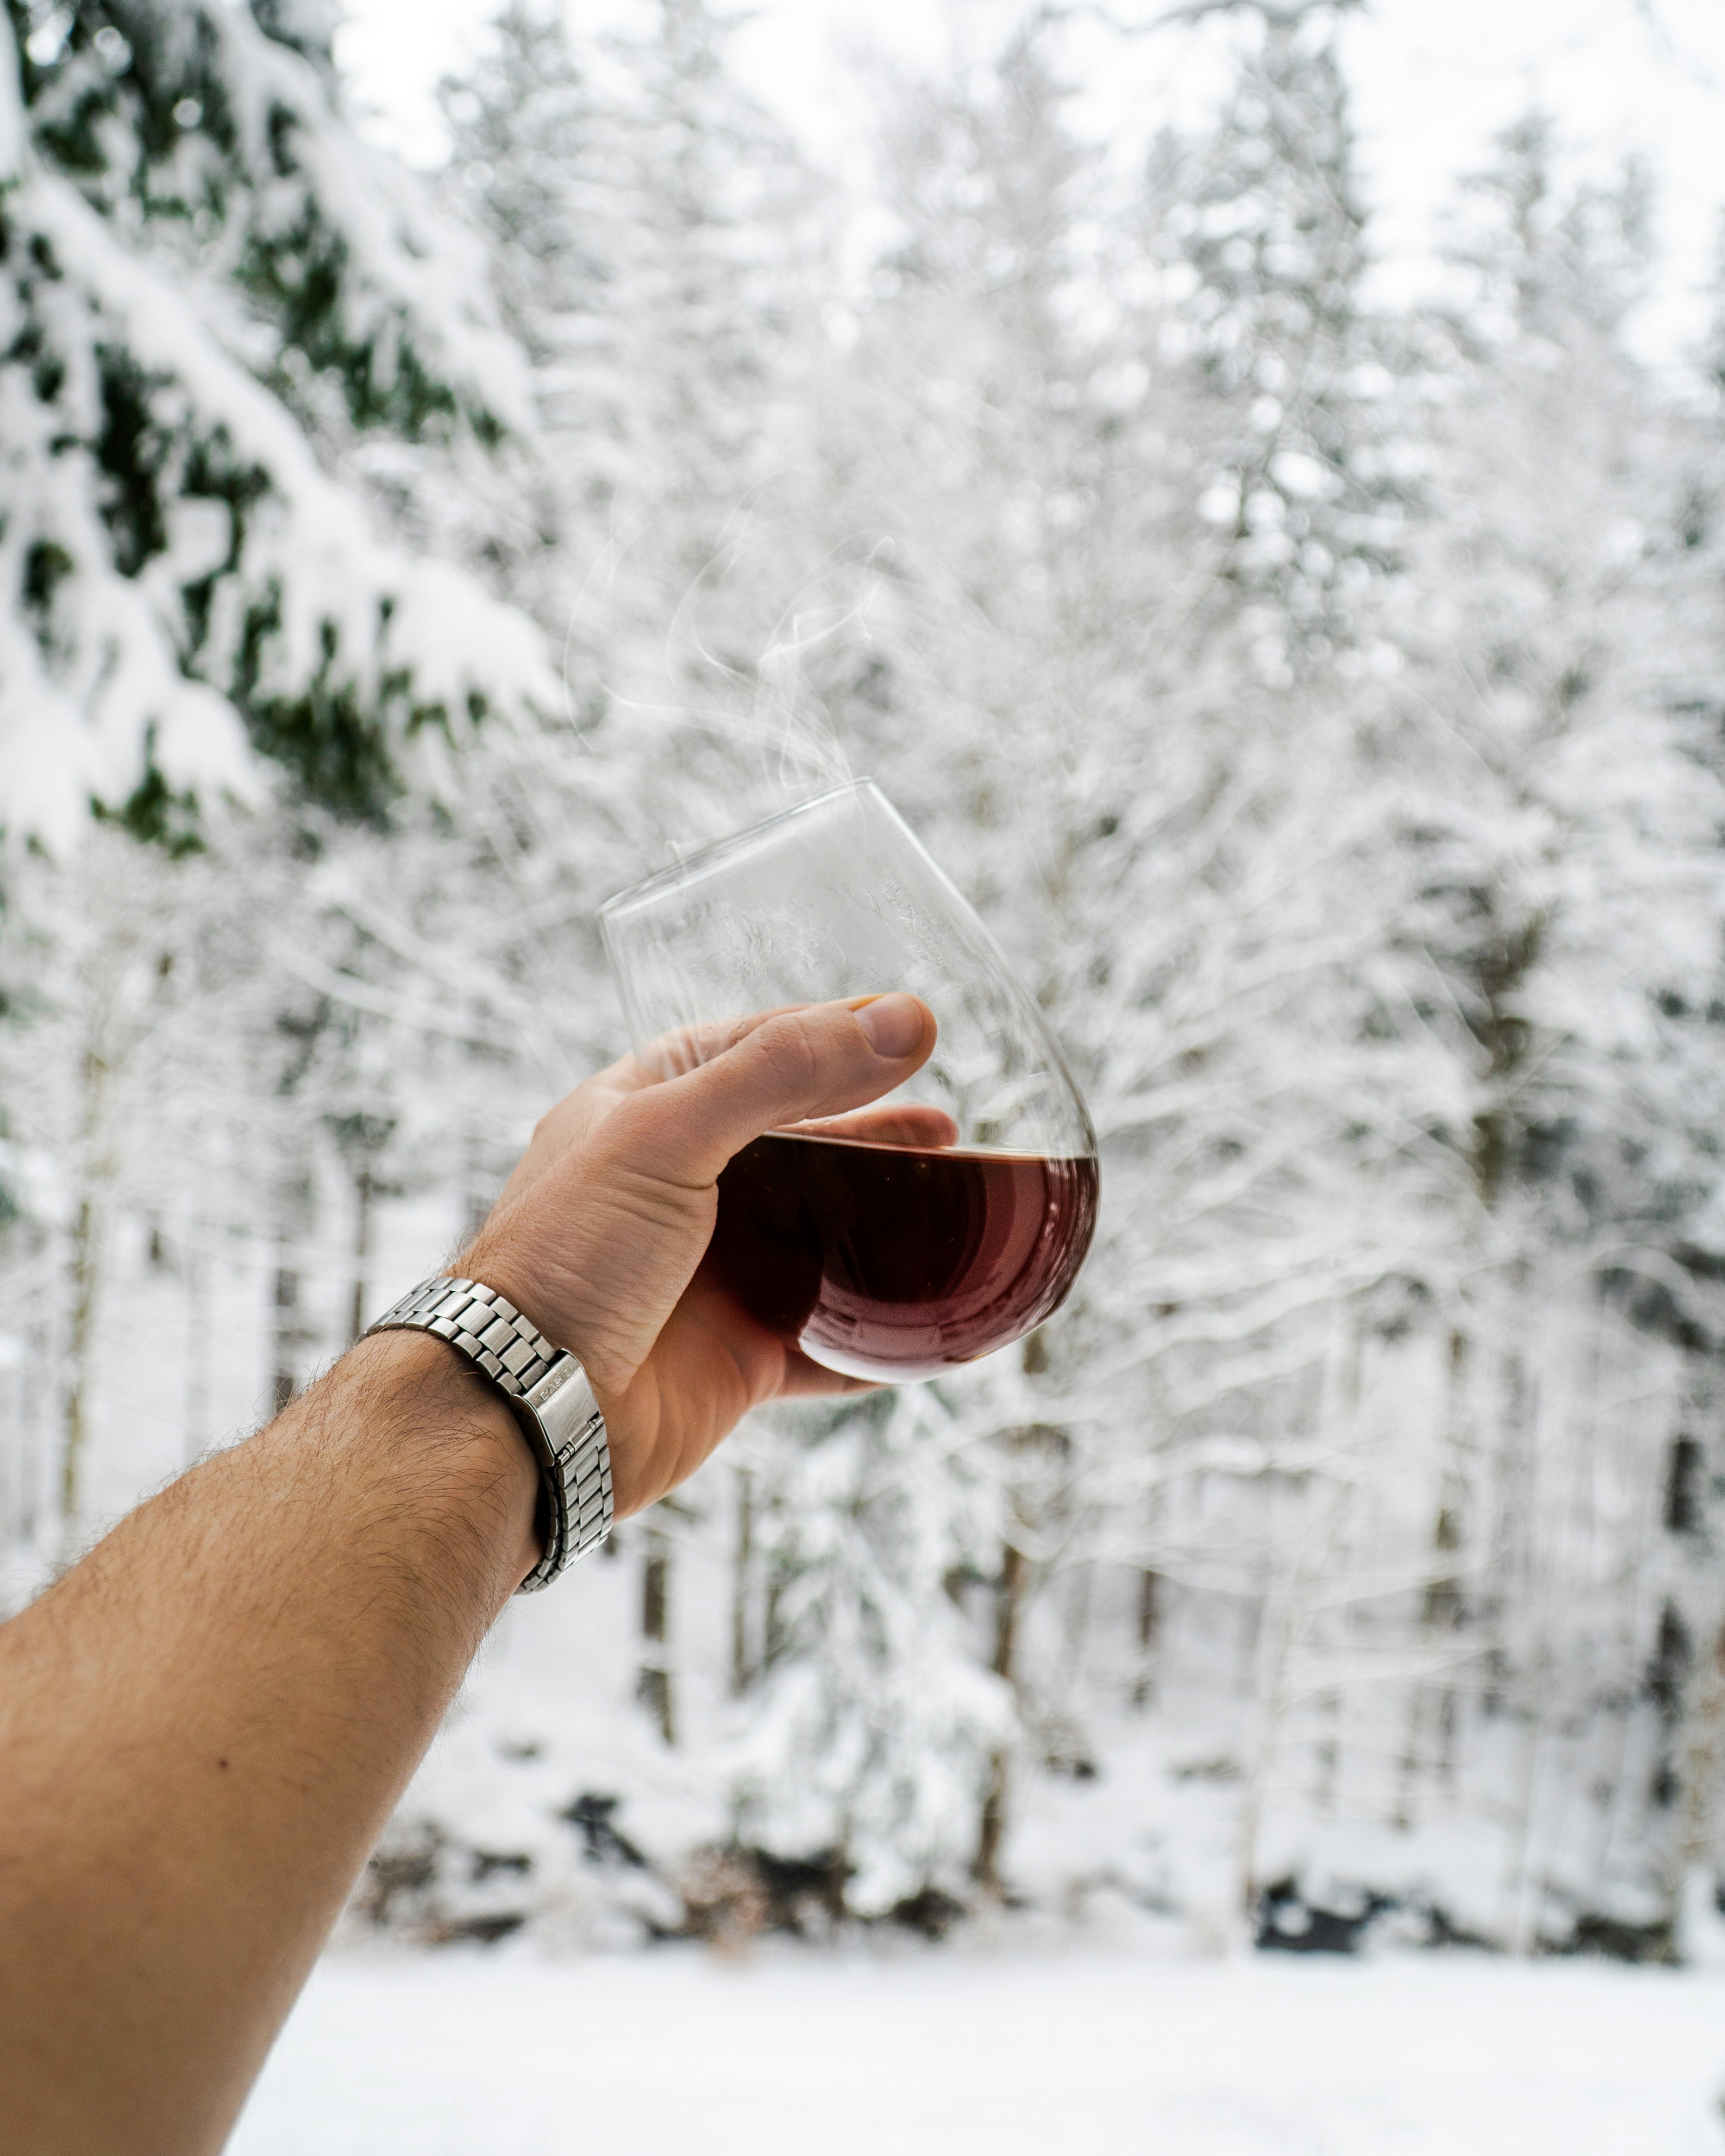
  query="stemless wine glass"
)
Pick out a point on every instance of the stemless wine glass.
point(947, 1219)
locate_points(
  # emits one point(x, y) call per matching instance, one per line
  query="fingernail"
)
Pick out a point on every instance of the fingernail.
point(894, 1024)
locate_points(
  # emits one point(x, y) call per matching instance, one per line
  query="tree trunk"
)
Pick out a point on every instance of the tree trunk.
point(199, 1344)
point(283, 1381)
point(290, 1334)
point(1441, 1608)
point(1703, 1754)
point(1327, 1756)
point(89, 1227)
point(1150, 1594)
point(74, 1424)
point(742, 1560)
point(1520, 1585)
point(991, 1830)
point(364, 1191)
point(1278, 1622)
point(653, 1680)
point(36, 1407)
point(479, 1191)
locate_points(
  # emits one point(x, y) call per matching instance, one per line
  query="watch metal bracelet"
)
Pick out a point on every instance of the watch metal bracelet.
point(553, 1402)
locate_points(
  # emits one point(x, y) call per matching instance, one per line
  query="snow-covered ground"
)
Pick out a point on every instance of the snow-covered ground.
point(944, 2052)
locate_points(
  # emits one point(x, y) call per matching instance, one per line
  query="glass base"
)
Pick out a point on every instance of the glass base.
point(877, 1373)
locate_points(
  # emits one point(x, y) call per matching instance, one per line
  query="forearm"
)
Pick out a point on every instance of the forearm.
point(205, 1724)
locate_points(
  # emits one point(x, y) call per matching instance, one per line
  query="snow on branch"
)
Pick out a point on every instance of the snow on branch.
point(188, 584)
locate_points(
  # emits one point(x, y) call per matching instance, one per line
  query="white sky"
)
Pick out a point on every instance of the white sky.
point(1433, 79)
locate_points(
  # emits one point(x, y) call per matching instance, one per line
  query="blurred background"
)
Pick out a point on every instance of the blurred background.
point(1248, 480)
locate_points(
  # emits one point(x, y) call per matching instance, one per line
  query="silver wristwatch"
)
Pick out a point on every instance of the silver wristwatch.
point(552, 1402)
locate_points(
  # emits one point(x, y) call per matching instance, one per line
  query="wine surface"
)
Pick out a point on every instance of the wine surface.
point(898, 1262)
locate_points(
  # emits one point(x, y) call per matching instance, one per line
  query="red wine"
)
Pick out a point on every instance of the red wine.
point(897, 1261)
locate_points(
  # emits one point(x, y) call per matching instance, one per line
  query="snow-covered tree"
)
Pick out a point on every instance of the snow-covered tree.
point(1321, 702)
point(1561, 818)
point(650, 222)
point(211, 287)
point(869, 1728)
point(655, 245)
point(1260, 225)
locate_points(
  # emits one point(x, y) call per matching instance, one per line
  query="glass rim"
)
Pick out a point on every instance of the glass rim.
point(710, 856)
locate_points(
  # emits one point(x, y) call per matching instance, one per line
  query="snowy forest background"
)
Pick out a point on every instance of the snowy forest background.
point(1322, 701)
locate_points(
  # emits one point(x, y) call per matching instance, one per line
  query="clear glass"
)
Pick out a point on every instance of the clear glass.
point(952, 1217)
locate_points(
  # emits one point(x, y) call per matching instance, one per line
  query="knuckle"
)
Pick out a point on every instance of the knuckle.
point(794, 1050)
point(629, 1128)
point(646, 1138)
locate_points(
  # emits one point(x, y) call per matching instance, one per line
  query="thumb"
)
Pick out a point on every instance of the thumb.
point(791, 1065)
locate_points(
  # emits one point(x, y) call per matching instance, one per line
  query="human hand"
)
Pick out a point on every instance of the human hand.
point(599, 1233)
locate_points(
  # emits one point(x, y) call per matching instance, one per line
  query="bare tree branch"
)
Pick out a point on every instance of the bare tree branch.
point(1666, 46)
point(1285, 14)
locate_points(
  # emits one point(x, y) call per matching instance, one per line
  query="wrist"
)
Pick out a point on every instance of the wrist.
point(453, 1439)
point(548, 1390)
point(493, 1260)
point(504, 1263)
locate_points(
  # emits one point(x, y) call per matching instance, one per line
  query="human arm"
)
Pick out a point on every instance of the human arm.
point(204, 1725)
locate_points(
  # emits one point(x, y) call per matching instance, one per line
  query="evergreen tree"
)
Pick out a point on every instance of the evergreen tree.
point(868, 1729)
point(1323, 709)
point(210, 289)
point(1563, 821)
point(647, 216)
point(1261, 225)
point(653, 234)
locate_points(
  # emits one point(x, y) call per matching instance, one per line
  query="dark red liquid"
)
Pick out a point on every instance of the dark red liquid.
point(899, 1261)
